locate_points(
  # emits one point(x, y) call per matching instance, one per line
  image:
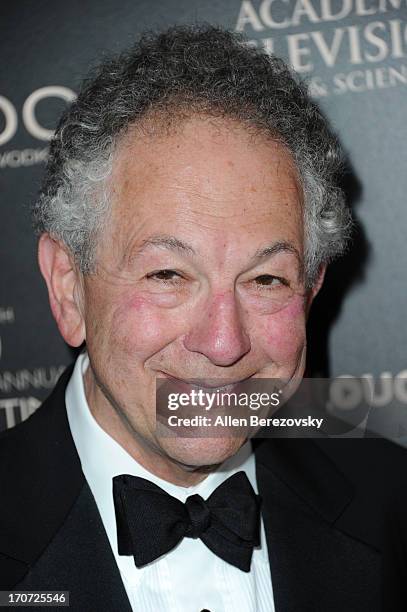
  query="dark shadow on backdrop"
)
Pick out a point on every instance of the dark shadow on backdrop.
point(340, 277)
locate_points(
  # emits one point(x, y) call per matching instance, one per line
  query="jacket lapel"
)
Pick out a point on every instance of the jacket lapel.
point(79, 560)
point(314, 564)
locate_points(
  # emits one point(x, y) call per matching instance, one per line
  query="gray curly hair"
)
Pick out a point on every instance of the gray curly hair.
point(188, 69)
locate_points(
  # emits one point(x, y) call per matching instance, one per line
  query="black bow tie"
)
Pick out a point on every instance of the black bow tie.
point(150, 522)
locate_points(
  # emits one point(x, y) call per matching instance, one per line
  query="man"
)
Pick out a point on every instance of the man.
point(186, 220)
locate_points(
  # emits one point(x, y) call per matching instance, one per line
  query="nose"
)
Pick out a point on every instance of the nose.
point(218, 332)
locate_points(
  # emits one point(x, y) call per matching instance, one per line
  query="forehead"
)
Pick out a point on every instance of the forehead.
point(211, 173)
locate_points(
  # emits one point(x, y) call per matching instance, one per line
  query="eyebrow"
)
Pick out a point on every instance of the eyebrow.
point(167, 242)
point(277, 247)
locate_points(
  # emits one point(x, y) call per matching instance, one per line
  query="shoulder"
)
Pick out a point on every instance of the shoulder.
point(354, 480)
point(374, 466)
point(40, 477)
point(28, 445)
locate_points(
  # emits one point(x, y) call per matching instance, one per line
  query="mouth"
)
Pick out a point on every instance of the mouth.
point(205, 384)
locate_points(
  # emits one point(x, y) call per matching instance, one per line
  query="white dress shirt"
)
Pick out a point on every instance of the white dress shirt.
point(190, 578)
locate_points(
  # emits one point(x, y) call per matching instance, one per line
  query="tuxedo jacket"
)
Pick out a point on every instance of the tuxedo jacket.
point(322, 506)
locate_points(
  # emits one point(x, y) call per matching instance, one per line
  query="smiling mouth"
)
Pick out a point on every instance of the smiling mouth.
point(206, 384)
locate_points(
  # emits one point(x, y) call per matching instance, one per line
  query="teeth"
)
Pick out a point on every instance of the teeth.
point(211, 389)
point(224, 388)
point(227, 387)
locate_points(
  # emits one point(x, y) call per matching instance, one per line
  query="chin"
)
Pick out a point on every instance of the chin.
point(200, 452)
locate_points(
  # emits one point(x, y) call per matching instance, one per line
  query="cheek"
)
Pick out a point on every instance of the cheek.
point(142, 328)
point(284, 332)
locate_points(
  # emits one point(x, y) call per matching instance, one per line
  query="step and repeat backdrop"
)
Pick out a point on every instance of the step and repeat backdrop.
point(353, 53)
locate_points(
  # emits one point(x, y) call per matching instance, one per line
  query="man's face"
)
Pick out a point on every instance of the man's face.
point(200, 275)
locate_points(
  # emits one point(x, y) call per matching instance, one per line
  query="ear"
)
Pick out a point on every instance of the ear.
point(319, 281)
point(316, 286)
point(64, 288)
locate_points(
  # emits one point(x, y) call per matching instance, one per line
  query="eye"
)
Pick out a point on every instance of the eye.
point(166, 276)
point(268, 280)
